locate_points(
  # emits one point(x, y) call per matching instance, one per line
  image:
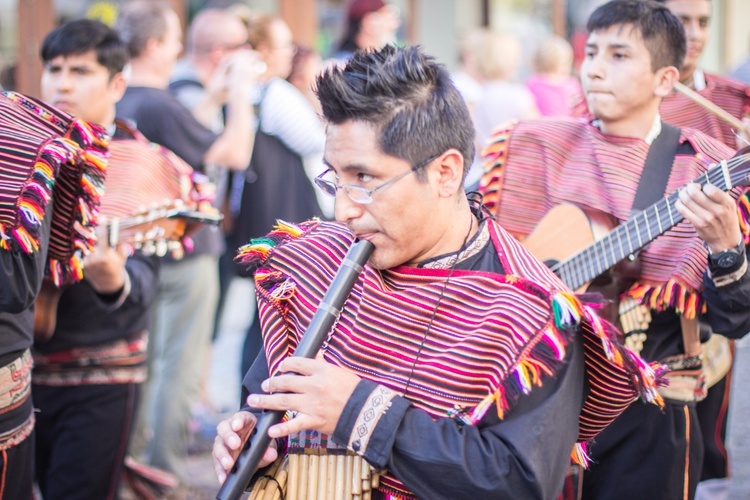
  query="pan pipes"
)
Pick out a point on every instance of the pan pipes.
point(735, 122)
point(321, 323)
point(313, 474)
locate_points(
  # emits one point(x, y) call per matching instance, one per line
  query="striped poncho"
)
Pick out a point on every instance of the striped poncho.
point(733, 97)
point(534, 166)
point(493, 339)
point(47, 154)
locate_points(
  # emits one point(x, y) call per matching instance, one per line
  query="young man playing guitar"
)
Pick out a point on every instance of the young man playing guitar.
point(87, 375)
point(697, 269)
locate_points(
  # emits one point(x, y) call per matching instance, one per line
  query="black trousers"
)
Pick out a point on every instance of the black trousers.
point(82, 437)
point(17, 470)
point(712, 413)
point(647, 453)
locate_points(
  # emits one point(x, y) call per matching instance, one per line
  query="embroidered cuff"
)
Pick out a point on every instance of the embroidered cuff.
point(727, 279)
point(376, 413)
point(376, 404)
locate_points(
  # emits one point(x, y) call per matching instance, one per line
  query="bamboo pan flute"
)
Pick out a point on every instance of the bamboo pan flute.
point(317, 477)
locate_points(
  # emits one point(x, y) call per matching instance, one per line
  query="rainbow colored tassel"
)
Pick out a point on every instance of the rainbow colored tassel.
point(671, 294)
point(743, 211)
point(255, 253)
point(580, 455)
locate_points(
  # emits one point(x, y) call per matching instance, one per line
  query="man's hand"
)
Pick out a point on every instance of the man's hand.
point(713, 213)
point(104, 268)
point(317, 390)
point(230, 436)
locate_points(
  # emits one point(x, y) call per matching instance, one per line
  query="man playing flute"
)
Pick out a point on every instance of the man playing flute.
point(456, 368)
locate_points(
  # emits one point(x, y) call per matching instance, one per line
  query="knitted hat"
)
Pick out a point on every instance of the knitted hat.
point(360, 8)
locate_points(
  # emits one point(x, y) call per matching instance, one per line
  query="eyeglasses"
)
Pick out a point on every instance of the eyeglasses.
point(358, 194)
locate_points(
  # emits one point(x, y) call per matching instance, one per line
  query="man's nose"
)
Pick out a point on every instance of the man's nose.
point(345, 209)
point(592, 67)
point(64, 82)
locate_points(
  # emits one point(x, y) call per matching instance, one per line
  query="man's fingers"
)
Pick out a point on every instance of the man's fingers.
point(299, 423)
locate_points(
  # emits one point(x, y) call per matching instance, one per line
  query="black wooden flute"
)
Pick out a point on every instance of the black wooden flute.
point(321, 323)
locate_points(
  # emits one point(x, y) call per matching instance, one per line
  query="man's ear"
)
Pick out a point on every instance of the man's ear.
point(665, 80)
point(450, 168)
point(117, 85)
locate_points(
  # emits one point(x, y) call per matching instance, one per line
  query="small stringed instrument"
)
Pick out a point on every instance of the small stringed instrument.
point(581, 245)
point(155, 231)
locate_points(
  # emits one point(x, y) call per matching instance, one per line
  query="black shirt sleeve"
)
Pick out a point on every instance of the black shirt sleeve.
point(728, 306)
point(521, 456)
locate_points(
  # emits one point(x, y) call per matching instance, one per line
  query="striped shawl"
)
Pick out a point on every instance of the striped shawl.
point(46, 154)
point(533, 166)
point(494, 337)
point(731, 96)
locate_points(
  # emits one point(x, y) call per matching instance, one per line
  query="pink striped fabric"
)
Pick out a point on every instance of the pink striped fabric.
point(731, 96)
point(45, 154)
point(533, 166)
point(142, 174)
point(492, 340)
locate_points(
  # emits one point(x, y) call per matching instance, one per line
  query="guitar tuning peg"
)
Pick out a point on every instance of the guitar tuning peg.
point(176, 249)
point(149, 248)
point(161, 248)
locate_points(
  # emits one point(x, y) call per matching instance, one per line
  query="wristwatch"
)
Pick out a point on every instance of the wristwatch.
point(729, 258)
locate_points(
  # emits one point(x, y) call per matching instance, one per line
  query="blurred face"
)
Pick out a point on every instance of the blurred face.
point(169, 47)
point(401, 220)
point(616, 75)
point(279, 51)
point(695, 16)
point(79, 85)
point(382, 25)
point(231, 38)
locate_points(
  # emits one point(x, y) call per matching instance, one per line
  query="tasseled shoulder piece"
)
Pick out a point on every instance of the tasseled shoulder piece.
point(494, 156)
point(51, 155)
point(672, 294)
point(252, 256)
point(625, 378)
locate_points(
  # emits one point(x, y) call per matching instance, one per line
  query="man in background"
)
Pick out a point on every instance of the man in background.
point(188, 290)
point(370, 24)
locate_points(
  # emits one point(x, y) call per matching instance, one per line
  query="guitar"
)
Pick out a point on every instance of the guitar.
point(583, 244)
point(153, 231)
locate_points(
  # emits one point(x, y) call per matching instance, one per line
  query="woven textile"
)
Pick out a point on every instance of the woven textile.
point(733, 97)
point(493, 338)
point(46, 154)
point(533, 166)
point(142, 174)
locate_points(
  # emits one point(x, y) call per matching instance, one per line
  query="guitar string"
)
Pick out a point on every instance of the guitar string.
point(598, 248)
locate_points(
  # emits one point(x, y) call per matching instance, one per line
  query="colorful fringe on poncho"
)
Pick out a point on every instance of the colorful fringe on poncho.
point(47, 154)
point(509, 333)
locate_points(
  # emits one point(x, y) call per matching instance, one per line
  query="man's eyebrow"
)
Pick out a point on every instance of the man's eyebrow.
point(610, 45)
point(356, 167)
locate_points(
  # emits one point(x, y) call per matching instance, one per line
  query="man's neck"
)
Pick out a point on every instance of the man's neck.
point(693, 77)
point(639, 127)
point(143, 75)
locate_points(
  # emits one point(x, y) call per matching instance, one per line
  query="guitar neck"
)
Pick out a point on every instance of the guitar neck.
point(637, 232)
